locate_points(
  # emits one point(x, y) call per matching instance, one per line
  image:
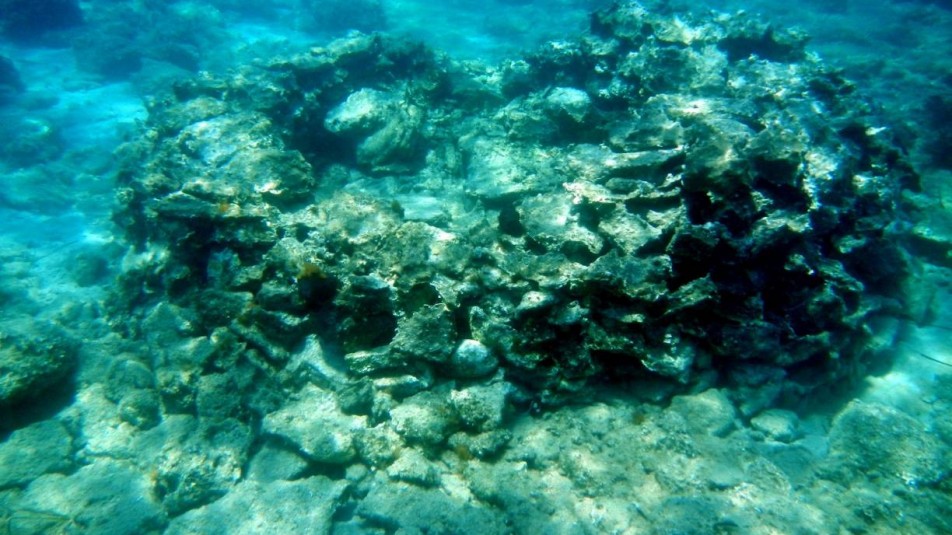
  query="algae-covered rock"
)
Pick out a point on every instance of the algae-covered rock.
point(424, 418)
point(362, 113)
point(34, 357)
point(870, 440)
point(480, 407)
point(140, 408)
point(192, 462)
point(428, 334)
point(481, 445)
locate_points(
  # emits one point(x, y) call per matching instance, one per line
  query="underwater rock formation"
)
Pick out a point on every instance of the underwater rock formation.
point(35, 356)
point(662, 199)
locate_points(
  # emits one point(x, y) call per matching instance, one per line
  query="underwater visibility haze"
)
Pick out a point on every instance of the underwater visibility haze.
point(498, 267)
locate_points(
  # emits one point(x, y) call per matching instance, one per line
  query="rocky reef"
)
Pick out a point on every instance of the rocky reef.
point(374, 289)
point(659, 198)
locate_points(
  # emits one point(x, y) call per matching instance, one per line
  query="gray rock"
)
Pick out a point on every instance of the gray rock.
point(413, 467)
point(375, 360)
point(406, 385)
point(356, 397)
point(422, 207)
point(311, 364)
point(127, 372)
point(533, 301)
point(513, 486)
point(362, 113)
point(423, 418)
point(707, 413)
point(192, 461)
point(106, 496)
point(28, 453)
point(871, 440)
point(253, 507)
point(472, 359)
point(140, 408)
point(480, 407)
point(428, 334)
point(694, 515)
point(275, 463)
point(778, 424)
point(378, 446)
point(395, 148)
point(316, 425)
point(498, 170)
point(554, 221)
point(569, 106)
point(412, 509)
point(34, 356)
point(479, 446)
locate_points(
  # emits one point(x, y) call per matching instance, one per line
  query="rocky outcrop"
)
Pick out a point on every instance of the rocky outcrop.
point(408, 245)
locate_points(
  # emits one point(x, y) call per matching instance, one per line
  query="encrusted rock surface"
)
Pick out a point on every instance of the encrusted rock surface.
point(35, 355)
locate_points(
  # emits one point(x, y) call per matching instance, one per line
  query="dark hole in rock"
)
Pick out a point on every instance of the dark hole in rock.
point(509, 221)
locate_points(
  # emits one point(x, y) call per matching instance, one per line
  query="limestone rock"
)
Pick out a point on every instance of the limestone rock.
point(778, 424)
point(363, 112)
point(274, 463)
point(709, 412)
point(316, 425)
point(106, 496)
point(413, 467)
point(301, 506)
point(32, 451)
point(412, 508)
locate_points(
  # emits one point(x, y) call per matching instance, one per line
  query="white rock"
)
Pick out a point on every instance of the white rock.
point(472, 359)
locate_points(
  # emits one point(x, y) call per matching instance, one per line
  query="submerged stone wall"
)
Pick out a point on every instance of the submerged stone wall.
point(662, 199)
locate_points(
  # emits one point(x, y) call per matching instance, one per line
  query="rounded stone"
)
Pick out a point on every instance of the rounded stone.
point(778, 424)
point(140, 408)
point(472, 359)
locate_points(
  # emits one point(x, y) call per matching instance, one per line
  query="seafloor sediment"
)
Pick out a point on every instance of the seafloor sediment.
point(373, 289)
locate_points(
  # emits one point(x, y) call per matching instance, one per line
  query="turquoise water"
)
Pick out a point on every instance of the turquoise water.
point(563, 266)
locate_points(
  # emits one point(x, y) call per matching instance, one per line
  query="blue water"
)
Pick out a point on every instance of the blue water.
point(85, 76)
